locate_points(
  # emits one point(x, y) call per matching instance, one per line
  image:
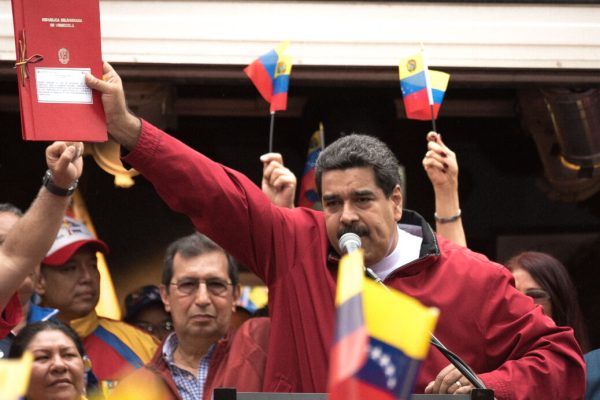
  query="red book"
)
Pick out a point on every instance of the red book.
point(57, 42)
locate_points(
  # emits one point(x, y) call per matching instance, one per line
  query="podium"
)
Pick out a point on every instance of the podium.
point(232, 394)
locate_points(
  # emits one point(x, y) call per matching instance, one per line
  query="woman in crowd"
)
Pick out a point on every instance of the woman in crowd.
point(57, 372)
point(546, 280)
point(538, 275)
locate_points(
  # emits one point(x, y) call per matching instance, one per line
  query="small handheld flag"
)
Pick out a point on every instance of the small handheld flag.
point(270, 73)
point(422, 89)
point(308, 196)
point(381, 338)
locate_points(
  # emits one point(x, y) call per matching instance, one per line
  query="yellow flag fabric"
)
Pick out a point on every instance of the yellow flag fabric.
point(14, 377)
point(398, 320)
point(108, 304)
point(350, 277)
point(439, 80)
point(411, 66)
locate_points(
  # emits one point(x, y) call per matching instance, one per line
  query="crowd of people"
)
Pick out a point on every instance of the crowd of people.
point(518, 326)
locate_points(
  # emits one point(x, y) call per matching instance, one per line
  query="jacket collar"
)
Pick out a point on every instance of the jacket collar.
point(86, 325)
point(411, 222)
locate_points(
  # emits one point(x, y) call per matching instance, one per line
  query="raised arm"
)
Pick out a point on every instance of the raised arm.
point(30, 238)
point(442, 169)
point(221, 203)
point(122, 125)
point(278, 182)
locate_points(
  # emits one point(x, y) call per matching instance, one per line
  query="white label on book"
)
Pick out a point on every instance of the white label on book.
point(62, 85)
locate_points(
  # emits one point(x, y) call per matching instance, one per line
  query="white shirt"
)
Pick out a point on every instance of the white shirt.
point(407, 250)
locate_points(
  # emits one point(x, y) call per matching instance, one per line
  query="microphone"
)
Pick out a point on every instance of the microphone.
point(349, 242)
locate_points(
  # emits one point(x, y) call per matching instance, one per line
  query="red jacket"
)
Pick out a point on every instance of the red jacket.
point(517, 351)
point(238, 361)
point(10, 315)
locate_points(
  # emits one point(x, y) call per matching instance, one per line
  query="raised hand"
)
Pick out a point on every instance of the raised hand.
point(278, 182)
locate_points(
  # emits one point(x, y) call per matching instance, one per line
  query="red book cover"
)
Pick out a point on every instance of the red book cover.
point(57, 42)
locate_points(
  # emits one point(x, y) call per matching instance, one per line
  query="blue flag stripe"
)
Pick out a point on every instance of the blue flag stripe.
point(349, 316)
point(413, 83)
point(438, 96)
point(121, 348)
point(389, 369)
point(311, 160)
point(269, 61)
point(281, 83)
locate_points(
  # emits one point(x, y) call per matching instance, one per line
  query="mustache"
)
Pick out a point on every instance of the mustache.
point(358, 229)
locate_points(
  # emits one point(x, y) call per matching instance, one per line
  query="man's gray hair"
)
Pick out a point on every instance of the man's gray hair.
point(360, 151)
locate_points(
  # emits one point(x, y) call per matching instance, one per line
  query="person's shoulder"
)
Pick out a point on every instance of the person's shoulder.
point(464, 258)
point(257, 324)
point(593, 357)
point(254, 330)
point(128, 332)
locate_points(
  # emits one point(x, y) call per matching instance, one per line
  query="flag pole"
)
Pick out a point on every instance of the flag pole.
point(271, 131)
point(322, 134)
point(429, 90)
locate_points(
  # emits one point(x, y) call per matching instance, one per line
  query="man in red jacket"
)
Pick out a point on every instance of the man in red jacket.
point(200, 287)
point(515, 350)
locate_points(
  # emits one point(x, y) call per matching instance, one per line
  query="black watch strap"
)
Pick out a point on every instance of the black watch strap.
point(56, 190)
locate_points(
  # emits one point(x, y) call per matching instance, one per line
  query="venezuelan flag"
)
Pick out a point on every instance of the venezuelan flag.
point(308, 196)
point(381, 338)
point(270, 73)
point(421, 88)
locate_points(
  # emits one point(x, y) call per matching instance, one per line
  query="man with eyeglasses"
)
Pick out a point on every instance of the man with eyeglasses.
point(200, 287)
point(69, 281)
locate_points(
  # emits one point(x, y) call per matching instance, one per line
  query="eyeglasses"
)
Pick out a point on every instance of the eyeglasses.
point(215, 286)
point(538, 295)
point(155, 329)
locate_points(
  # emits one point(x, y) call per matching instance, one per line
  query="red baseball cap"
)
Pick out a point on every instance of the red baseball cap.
point(71, 237)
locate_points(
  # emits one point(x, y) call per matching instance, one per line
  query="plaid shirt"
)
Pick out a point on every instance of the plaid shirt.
point(190, 387)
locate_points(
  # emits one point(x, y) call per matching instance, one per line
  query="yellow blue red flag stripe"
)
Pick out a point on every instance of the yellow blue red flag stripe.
point(415, 80)
point(308, 195)
point(270, 73)
point(382, 336)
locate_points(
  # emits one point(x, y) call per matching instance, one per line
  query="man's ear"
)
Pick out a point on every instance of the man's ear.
point(164, 296)
point(236, 295)
point(396, 198)
point(39, 282)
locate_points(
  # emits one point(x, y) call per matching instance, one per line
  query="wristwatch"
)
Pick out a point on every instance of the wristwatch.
point(52, 188)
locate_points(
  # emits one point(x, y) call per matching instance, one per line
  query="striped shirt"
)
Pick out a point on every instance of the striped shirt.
point(190, 387)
